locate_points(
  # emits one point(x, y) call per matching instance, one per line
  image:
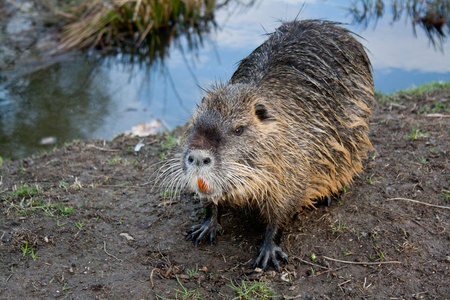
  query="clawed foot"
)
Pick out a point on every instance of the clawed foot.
point(270, 252)
point(208, 229)
point(199, 232)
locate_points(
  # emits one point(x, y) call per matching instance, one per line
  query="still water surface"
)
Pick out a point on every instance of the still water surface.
point(84, 98)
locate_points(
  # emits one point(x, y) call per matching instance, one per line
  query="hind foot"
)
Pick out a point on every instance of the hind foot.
point(270, 250)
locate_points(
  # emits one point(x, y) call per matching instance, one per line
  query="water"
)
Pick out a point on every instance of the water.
point(81, 98)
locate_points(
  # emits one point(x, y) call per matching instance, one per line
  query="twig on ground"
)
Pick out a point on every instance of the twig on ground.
point(437, 116)
point(104, 248)
point(102, 149)
point(362, 263)
point(151, 276)
point(328, 271)
point(419, 202)
point(123, 186)
point(342, 283)
point(310, 263)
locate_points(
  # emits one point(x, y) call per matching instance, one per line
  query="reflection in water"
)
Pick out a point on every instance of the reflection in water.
point(144, 28)
point(52, 103)
point(75, 98)
point(72, 97)
point(432, 15)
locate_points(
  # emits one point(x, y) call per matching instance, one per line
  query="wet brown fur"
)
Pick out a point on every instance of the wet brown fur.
point(304, 98)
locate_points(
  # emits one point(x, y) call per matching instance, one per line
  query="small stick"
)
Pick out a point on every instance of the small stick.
point(123, 186)
point(330, 270)
point(437, 116)
point(102, 149)
point(151, 276)
point(292, 297)
point(342, 283)
point(362, 263)
point(104, 248)
point(415, 201)
point(310, 263)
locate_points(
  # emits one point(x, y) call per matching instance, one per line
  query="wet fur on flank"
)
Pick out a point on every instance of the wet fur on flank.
point(289, 127)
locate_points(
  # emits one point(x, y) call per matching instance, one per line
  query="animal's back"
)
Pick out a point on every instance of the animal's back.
point(318, 77)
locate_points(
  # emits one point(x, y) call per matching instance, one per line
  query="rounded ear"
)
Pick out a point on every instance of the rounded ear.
point(261, 112)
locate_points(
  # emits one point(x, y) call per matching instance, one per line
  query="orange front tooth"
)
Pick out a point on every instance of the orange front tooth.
point(202, 185)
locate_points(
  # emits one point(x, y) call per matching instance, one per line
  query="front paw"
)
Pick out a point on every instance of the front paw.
point(270, 252)
point(200, 232)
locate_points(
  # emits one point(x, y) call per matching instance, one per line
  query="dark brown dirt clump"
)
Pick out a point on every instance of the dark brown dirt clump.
point(82, 223)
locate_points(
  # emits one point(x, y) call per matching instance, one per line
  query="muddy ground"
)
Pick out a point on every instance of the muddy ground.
point(82, 222)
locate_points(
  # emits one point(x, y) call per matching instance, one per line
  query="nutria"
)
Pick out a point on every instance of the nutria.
point(290, 127)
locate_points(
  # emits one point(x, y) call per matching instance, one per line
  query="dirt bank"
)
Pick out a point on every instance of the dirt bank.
point(82, 223)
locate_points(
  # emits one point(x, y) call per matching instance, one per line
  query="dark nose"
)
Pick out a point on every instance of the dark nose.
point(199, 158)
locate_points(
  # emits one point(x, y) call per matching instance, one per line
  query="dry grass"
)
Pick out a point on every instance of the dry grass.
point(106, 24)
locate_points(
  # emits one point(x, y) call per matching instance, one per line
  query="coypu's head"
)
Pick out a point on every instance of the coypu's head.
point(220, 146)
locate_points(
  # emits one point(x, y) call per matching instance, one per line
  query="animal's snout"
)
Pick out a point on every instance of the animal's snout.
point(199, 158)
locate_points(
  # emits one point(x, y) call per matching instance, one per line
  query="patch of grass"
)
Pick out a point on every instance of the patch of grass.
point(184, 293)
point(425, 88)
point(416, 133)
point(169, 143)
point(252, 290)
point(416, 92)
point(106, 180)
point(112, 161)
point(193, 272)
point(375, 234)
point(369, 179)
point(27, 250)
point(446, 194)
point(438, 107)
point(79, 224)
point(65, 210)
point(25, 190)
point(63, 184)
point(24, 198)
point(378, 251)
point(117, 22)
point(338, 227)
point(132, 162)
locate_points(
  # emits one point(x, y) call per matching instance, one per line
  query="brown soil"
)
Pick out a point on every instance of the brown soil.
point(95, 230)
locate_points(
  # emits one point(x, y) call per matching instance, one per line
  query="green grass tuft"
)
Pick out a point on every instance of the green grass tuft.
point(253, 290)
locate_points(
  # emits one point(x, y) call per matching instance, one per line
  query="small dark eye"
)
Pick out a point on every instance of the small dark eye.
point(239, 130)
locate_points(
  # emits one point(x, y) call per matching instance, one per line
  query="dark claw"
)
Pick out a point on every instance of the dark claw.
point(270, 249)
point(199, 232)
point(209, 227)
point(270, 252)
